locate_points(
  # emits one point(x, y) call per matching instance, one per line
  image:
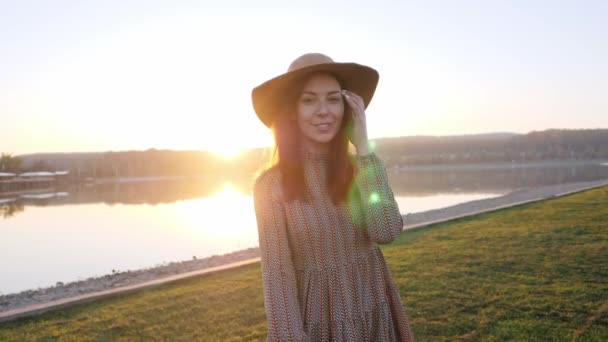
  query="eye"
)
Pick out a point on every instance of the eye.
point(334, 99)
point(307, 99)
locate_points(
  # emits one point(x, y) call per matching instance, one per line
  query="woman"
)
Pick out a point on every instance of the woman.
point(321, 213)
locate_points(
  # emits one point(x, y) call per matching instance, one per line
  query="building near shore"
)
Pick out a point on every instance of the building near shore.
point(26, 182)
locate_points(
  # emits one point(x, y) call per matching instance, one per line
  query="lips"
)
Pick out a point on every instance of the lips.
point(323, 127)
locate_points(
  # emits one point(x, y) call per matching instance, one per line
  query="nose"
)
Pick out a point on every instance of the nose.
point(323, 109)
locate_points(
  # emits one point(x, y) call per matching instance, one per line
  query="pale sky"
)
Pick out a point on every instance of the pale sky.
point(132, 75)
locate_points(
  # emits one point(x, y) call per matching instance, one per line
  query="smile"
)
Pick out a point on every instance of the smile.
point(323, 125)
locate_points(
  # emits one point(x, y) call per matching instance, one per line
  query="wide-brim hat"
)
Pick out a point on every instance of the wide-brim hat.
point(360, 79)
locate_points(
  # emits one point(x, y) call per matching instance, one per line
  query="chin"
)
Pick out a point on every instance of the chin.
point(319, 137)
point(324, 139)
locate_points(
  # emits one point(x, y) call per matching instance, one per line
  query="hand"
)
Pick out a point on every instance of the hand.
point(357, 106)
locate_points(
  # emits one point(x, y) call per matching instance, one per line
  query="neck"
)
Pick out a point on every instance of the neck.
point(314, 147)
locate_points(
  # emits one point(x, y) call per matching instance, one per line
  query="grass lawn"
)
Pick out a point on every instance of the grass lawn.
point(533, 272)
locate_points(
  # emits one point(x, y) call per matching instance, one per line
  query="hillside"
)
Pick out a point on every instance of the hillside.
point(396, 152)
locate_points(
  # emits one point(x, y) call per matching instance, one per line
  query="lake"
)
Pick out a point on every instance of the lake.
point(92, 230)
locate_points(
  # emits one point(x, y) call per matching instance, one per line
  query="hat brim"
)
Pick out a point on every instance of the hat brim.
point(360, 79)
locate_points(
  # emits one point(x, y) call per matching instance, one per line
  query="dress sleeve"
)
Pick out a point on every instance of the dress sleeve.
point(280, 290)
point(380, 211)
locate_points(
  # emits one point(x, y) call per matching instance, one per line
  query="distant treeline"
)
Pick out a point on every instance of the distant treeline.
point(403, 151)
point(149, 163)
point(503, 147)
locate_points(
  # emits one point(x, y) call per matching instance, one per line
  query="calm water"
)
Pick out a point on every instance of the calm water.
point(90, 231)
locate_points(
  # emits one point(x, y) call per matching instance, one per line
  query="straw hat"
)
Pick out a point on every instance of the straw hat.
point(360, 79)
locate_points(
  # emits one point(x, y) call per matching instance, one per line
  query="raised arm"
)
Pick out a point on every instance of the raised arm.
point(280, 288)
point(381, 213)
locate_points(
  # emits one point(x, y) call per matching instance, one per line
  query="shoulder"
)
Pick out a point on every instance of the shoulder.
point(268, 183)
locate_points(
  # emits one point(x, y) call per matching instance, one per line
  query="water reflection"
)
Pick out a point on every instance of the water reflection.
point(47, 244)
point(86, 230)
point(406, 182)
point(10, 206)
point(227, 215)
point(416, 204)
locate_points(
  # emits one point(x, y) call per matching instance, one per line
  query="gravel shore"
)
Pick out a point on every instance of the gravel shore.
point(31, 298)
point(117, 280)
point(513, 198)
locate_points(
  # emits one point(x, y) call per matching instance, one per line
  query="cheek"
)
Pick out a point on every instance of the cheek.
point(304, 113)
point(340, 114)
point(303, 119)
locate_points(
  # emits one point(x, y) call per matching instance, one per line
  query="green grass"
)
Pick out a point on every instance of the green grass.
point(533, 272)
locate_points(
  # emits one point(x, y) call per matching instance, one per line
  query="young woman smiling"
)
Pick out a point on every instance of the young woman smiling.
point(322, 212)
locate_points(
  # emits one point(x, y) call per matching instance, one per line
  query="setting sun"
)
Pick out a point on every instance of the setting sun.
point(227, 151)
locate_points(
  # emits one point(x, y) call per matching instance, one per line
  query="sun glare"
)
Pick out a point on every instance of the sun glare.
point(219, 226)
point(228, 152)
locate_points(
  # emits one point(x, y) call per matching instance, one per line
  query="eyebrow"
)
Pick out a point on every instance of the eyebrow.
point(313, 93)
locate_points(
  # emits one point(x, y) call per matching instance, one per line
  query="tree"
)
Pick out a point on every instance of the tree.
point(41, 165)
point(8, 163)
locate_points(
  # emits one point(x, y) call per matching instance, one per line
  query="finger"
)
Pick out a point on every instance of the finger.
point(350, 93)
point(351, 101)
point(356, 109)
point(355, 96)
point(352, 98)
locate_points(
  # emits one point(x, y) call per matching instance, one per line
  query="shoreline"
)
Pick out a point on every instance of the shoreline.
point(37, 301)
point(514, 198)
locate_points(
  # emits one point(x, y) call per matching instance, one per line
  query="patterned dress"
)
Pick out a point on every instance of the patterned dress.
point(325, 278)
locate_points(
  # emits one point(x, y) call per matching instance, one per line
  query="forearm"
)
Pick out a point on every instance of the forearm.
point(382, 217)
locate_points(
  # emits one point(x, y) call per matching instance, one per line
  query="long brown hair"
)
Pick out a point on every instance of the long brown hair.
point(290, 162)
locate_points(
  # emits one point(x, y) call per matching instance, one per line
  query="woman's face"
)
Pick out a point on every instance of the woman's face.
point(320, 110)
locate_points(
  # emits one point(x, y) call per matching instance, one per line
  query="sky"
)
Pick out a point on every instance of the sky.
point(121, 75)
